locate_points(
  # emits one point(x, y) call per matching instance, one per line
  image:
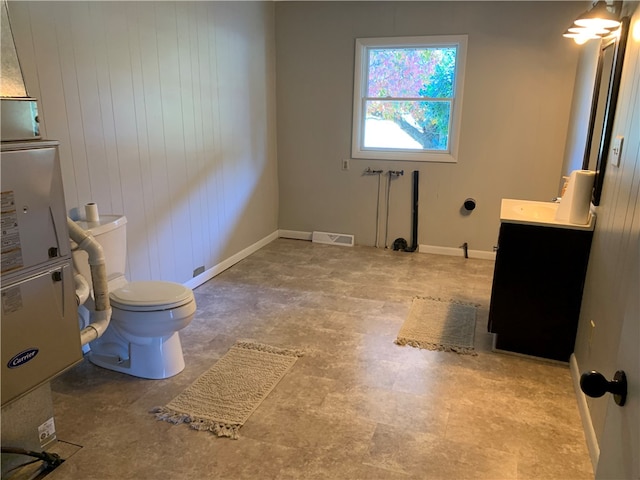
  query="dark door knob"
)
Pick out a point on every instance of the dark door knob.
point(595, 385)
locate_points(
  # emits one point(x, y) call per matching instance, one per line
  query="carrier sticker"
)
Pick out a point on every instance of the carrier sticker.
point(11, 300)
point(11, 246)
point(22, 357)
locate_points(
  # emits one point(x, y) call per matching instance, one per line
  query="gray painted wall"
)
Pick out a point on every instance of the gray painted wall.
point(519, 79)
point(165, 112)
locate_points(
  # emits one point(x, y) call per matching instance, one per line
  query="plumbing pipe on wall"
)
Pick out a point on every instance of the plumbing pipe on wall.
point(414, 212)
point(391, 174)
point(369, 171)
point(101, 317)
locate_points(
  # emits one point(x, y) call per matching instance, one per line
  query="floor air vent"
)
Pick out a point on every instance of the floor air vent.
point(333, 238)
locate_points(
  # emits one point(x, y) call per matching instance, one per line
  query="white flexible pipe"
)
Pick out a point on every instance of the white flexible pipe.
point(102, 314)
point(100, 322)
point(83, 290)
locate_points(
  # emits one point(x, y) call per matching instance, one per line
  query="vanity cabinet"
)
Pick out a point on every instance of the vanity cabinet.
point(537, 289)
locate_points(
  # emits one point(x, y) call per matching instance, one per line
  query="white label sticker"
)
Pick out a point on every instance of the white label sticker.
point(11, 300)
point(11, 247)
point(46, 431)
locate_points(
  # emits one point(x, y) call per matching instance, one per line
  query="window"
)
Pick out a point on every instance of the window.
point(408, 98)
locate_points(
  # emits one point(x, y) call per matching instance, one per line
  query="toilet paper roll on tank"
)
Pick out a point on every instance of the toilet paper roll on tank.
point(575, 203)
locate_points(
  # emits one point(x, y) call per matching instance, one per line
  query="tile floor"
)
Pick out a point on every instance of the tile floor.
point(356, 406)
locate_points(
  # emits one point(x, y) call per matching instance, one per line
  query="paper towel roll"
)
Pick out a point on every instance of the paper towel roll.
point(582, 188)
point(91, 212)
point(575, 203)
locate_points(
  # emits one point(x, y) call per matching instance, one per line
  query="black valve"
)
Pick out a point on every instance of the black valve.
point(596, 385)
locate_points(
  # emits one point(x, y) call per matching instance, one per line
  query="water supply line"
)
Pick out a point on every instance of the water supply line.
point(369, 171)
point(391, 174)
point(51, 460)
point(101, 316)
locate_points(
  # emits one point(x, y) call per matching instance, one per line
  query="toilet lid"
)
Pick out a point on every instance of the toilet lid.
point(149, 296)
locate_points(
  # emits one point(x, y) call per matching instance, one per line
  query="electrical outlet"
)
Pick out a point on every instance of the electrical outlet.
point(616, 150)
point(345, 164)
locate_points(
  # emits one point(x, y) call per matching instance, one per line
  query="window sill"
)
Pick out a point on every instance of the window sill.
point(404, 156)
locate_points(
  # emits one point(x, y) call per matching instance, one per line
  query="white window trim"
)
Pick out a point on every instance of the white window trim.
point(359, 92)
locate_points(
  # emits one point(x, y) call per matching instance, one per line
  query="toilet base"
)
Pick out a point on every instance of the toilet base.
point(154, 358)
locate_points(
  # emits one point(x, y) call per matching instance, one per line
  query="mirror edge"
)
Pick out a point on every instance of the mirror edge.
point(610, 108)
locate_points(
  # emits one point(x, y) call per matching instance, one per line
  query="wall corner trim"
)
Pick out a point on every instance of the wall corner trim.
point(230, 262)
point(583, 408)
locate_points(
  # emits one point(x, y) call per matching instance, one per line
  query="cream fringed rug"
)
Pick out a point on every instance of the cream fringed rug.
point(436, 324)
point(225, 396)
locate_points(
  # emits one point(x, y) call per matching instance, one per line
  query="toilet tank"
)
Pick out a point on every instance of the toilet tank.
point(111, 233)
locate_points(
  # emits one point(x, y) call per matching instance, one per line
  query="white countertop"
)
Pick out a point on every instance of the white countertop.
point(529, 212)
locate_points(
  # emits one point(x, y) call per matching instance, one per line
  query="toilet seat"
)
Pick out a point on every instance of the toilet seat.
point(150, 296)
point(149, 309)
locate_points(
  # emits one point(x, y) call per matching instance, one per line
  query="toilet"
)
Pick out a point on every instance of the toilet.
point(142, 338)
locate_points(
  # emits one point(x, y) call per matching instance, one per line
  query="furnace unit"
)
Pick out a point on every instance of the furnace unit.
point(40, 335)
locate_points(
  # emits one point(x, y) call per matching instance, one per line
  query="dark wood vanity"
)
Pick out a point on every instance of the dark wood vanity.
point(537, 288)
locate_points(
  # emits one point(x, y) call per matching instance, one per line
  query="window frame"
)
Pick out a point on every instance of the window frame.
point(362, 47)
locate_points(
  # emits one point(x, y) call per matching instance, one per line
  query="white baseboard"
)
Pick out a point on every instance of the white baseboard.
point(456, 252)
point(295, 235)
point(583, 408)
point(231, 261)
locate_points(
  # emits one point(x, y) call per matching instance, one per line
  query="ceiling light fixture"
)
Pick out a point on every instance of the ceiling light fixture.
point(599, 17)
point(595, 23)
point(588, 30)
point(580, 37)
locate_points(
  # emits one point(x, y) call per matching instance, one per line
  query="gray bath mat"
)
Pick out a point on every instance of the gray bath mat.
point(224, 397)
point(435, 324)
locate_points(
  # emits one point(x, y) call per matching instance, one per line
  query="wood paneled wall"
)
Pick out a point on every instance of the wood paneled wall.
point(165, 112)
